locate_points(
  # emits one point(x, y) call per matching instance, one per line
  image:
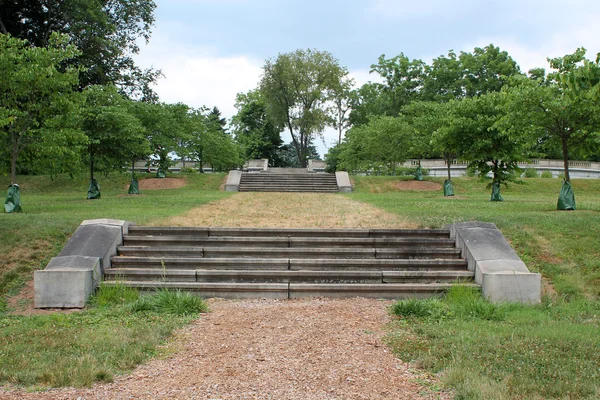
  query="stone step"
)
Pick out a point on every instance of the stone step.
point(284, 276)
point(286, 242)
point(285, 232)
point(285, 252)
point(287, 190)
point(283, 264)
point(296, 290)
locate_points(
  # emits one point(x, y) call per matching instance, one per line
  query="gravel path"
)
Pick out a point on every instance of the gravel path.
point(269, 349)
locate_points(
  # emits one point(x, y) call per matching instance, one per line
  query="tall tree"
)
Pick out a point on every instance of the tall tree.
point(554, 112)
point(379, 145)
point(254, 131)
point(115, 135)
point(37, 103)
point(296, 87)
point(105, 31)
point(342, 98)
point(403, 80)
point(482, 143)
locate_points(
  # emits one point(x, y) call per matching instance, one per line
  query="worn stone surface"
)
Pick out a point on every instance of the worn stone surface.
point(94, 241)
point(67, 282)
point(519, 287)
point(113, 222)
point(498, 268)
point(233, 181)
point(343, 181)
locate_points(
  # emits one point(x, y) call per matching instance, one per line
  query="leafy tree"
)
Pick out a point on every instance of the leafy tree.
point(254, 131)
point(553, 112)
point(115, 135)
point(37, 103)
point(366, 101)
point(216, 120)
point(342, 97)
point(403, 81)
point(165, 128)
point(289, 157)
point(482, 143)
point(105, 31)
point(486, 70)
point(296, 87)
point(444, 79)
point(424, 118)
point(379, 145)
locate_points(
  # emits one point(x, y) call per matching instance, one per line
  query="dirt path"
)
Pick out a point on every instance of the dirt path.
point(269, 349)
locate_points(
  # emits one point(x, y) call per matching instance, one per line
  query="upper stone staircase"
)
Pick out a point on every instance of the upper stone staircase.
point(289, 263)
point(288, 180)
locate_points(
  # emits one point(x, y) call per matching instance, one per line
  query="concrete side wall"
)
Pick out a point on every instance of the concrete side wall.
point(343, 181)
point(498, 269)
point(70, 278)
point(233, 181)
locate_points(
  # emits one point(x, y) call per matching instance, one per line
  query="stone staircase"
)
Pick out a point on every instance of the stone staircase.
point(288, 180)
point(241, 263)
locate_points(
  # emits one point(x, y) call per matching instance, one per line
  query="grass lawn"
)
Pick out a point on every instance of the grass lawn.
point(550, 351)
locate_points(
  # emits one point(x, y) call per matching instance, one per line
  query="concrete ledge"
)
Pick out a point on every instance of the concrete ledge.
point(67, 282)
point(343, 182)
point(70, 278)
point(498, 269)
point(233, 181)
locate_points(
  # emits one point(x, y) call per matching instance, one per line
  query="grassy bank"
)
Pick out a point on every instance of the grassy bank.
point(482, 351)
point(54, 208)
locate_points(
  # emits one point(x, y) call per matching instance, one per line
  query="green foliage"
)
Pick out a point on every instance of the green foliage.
point(107, 33)
point(380, 145)
point(37, 103)
point(114, 295)
point(553, 114)
point(115, 135)
point(430, 308)
point(530, 173)
point(253, 131)
point(173, 302)
point(79, 349)
point(296, 87)
point(546, 174)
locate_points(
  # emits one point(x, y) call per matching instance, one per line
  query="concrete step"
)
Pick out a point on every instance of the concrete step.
point(284, 232)
point(286, 252)
point(296, 290)
point(291, 242)
point(284, 276)
point(283, 264)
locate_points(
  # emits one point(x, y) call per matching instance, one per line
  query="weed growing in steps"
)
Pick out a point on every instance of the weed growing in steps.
point(502, 351)
point(112, 337)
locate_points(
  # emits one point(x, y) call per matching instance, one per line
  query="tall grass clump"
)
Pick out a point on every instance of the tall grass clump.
point(114, 295)
point(174, 302)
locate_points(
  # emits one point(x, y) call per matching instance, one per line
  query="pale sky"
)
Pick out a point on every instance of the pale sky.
point(210, 50)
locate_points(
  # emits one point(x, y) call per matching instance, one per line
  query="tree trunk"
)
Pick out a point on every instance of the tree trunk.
point(13, 166)
point(448, 161)
point(132, 168)
point(566, 159)
point(91, 164)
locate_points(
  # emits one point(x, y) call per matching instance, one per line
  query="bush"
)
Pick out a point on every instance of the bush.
point(546, 174)
point(114, 295)
point(173, 302)
point(419, 308)
point(530, 173)
point(466, 302)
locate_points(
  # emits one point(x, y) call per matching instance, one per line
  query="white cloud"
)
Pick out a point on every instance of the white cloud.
point(198, 76)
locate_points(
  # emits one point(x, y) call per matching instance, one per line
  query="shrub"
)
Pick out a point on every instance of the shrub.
point(530, 173)
point(173, 302)
point(418, 308)
point(546, 174)
point(114, 295)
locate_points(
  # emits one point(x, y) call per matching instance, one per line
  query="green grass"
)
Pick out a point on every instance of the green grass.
point(504, 351)
point(110, 337)
point(54, 208)
point(486, 351)
point(78, 349)
point(563, 245)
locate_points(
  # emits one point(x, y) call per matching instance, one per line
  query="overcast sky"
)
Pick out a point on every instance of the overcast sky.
point(209, 50)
